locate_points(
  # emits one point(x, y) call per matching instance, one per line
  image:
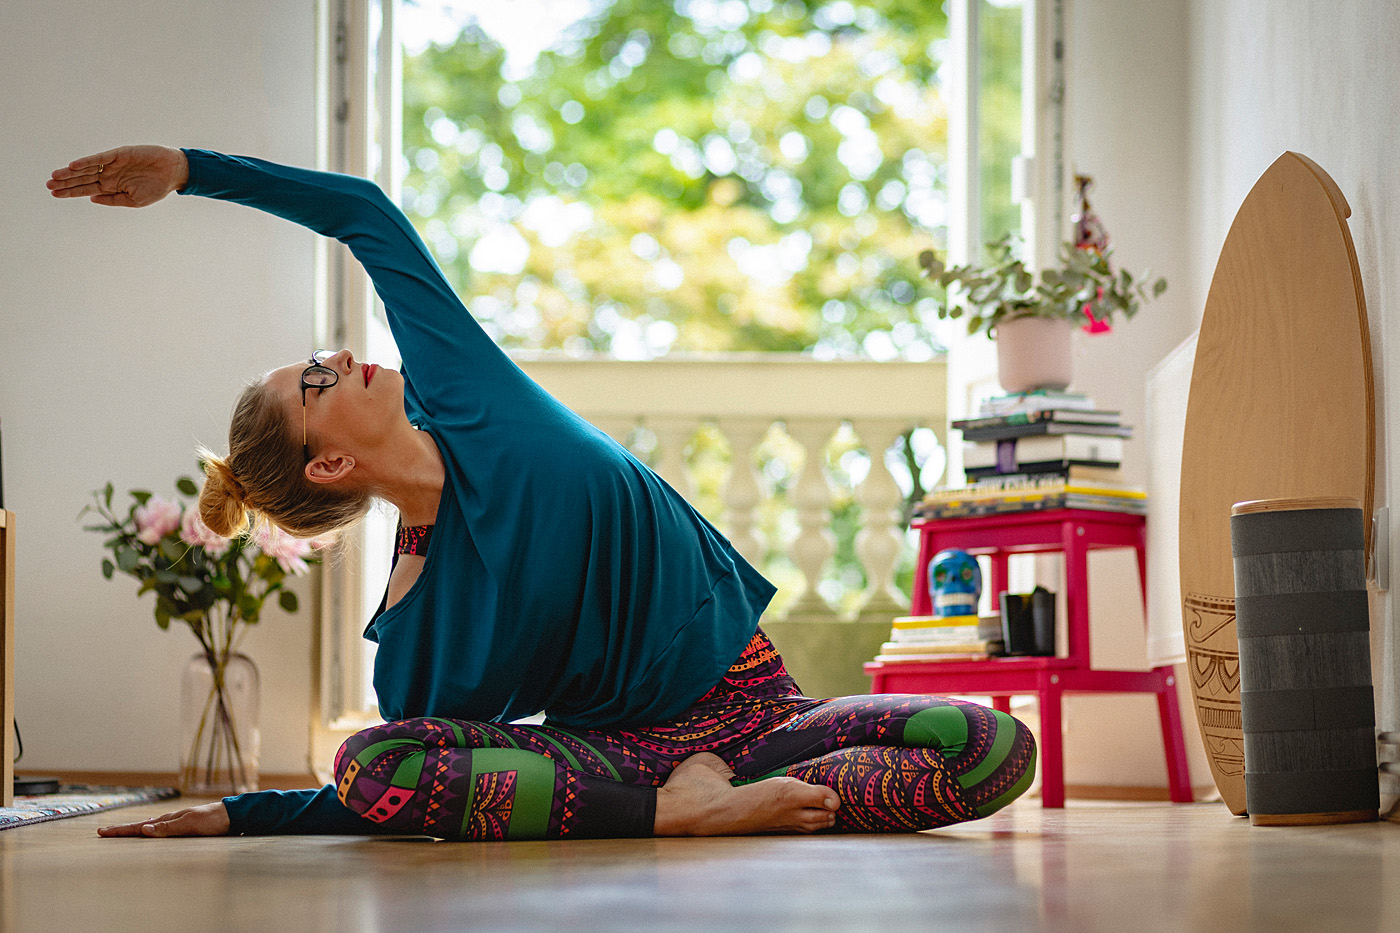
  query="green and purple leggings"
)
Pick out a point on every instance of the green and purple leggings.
point(898, 763)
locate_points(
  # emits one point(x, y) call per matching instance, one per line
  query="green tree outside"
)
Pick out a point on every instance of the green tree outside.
point(704, 176)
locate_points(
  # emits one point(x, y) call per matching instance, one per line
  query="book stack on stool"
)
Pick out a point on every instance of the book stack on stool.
point(1038, 450)
point(943, 638)
point(954, 632)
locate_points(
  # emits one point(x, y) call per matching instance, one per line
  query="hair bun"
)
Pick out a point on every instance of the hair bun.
point(222, 501)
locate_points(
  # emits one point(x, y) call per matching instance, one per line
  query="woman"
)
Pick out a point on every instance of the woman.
point(540, 567)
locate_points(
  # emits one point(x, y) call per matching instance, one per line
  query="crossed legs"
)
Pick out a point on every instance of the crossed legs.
point(896, 763)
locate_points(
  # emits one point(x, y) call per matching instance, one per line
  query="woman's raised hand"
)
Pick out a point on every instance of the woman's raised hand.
point(210, 819)
point(130, 176)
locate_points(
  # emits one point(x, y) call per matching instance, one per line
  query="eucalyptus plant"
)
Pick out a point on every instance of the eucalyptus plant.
point(1084, 288)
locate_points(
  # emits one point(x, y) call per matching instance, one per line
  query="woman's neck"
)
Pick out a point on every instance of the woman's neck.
point(416, 487)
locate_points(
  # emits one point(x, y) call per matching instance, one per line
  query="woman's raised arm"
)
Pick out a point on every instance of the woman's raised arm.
point(455, 364)
point(129, 176)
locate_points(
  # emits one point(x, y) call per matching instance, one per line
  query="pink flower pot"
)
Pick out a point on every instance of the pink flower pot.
point(1034, 353)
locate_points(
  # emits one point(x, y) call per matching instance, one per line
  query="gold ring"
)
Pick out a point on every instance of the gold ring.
point(100, 167)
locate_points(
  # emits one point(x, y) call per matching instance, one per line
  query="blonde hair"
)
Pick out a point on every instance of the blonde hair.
point(262, 478)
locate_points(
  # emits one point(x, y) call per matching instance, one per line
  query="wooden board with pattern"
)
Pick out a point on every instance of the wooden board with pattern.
point(1282, 404)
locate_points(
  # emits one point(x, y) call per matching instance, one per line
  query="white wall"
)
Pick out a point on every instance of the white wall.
point(1176, 109)
point(124, 336)
point(1317, 78)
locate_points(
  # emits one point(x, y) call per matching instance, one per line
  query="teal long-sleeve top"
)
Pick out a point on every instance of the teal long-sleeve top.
point(563, 575)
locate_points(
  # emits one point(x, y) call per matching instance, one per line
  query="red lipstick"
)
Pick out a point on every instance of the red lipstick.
point(368, 369)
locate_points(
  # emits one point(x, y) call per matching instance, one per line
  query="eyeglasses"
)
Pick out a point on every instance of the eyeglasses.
point(314, 376)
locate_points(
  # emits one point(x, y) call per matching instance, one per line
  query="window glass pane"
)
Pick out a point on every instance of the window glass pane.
point(999, 113)
point(645, 176)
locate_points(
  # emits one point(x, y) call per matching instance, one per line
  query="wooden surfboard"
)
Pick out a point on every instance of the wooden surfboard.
point(1282, 405)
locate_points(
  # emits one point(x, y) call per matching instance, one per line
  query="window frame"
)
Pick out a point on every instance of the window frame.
point(358, 93)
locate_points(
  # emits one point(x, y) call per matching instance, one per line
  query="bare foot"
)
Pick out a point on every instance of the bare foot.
point(698, 800)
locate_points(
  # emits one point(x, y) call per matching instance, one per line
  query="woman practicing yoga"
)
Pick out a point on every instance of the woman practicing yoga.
point(540, 567)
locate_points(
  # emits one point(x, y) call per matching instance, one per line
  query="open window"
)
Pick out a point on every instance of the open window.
point(657, 176)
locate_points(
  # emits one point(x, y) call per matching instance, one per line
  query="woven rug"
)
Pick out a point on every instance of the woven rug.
point(75, 800)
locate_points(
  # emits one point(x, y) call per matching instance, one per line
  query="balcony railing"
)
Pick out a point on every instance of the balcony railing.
point(746, 399)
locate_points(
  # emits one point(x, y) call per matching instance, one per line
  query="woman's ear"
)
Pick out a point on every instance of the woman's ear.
point(330, 469)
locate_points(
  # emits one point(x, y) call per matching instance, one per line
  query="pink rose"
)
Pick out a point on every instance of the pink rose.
point(288, 551)
point(194, 532)
point(156, 519)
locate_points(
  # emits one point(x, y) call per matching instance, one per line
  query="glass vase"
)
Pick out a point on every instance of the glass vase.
point(219, 726)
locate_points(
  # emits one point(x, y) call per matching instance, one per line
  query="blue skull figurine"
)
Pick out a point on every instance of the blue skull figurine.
point(955, 583)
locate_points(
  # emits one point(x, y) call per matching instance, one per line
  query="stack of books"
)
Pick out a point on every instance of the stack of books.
point(942, 638)
point(1041, 432)
point(1039, 450)
point(1030, 494)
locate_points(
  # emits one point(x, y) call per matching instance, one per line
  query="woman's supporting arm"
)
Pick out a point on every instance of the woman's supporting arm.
point(261, 813)
point(298, 812)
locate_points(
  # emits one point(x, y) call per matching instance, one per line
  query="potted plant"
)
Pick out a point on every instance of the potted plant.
point(217, 587)
point(1031, 320)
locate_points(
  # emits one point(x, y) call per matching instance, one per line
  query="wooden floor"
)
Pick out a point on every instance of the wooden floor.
point(1091, 867)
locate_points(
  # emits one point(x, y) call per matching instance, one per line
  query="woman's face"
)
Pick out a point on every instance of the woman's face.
point(354, 416)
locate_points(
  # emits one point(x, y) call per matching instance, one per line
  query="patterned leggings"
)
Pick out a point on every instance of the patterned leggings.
point(898, 763)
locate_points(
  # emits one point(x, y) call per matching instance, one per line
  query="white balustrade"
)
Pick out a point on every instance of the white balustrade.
point(815, 543)
point(742, 493)
point(743, 396)
point(879, 540)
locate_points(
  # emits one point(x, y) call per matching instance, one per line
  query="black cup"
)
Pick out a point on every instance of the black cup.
point(1028, 622)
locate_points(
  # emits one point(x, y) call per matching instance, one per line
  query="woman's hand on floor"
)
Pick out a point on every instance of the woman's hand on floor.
point(211, 819)
point(131, 176)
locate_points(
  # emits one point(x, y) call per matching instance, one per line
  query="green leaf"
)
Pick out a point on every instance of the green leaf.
point(187, 486)
point(140, 495)
point(1158, 287)
point(931, 265)
point(108, 568)
point(287, 600)
point(107, 494)
point(173, 548)
point(127, 559)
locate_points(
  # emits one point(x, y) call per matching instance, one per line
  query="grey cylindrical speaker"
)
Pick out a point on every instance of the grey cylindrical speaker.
point(1305, 661)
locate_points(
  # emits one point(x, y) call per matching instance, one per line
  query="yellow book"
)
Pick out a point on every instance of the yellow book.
point(917, 622)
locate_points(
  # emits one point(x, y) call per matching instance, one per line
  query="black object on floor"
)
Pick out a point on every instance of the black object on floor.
point(33, 786)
